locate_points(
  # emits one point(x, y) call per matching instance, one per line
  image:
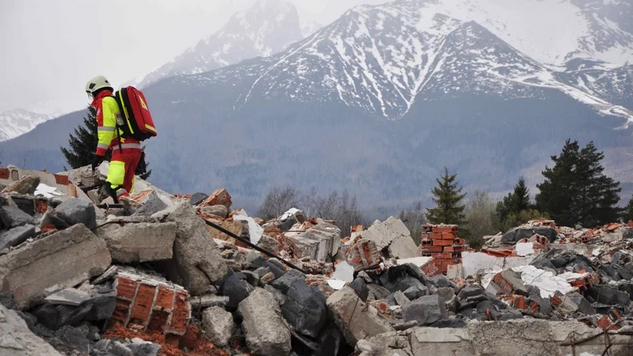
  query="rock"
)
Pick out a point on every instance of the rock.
point(607, 295)
point(216, 211)
point(350, 315)
point(236, 289)
point(140, 347)
point(441, 281)
point(25, 185)
point(320, 242)
point(284, 282)
point(14, 217)
point(265, 331)
point(141, 242)
point(329, 341)
point(470, 291)
point(74, 338)
point(197, 262)
point(425, 310)
point(76, 211)
point(197, 198)
point(96, 308)
point(16, 236)
point(363, 254)
point(65, 258)
point(151, 204)
point(68, 296)
point(218, 325)
point(236, 227)
point(17, 340)
point(305, 309)
point(51, 220)
point(401, 299)
point(269, 244)
point(218, 197)
point(7, 300)
point(416, 292)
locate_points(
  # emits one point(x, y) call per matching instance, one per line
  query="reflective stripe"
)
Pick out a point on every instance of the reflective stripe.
point(150, 128)
point(121, 192)
point(103, 145)
point(105, 128)
point(131, 145)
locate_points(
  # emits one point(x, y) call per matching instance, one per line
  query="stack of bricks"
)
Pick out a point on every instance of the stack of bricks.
point(442, 243)
point(151, 304)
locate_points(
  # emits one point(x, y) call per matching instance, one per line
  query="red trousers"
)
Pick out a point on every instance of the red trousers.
point(122, 169)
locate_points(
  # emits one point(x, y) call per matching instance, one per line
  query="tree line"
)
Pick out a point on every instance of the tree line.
point(575, 192)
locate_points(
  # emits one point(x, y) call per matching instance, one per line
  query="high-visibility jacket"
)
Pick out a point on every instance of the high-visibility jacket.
point(107, 114)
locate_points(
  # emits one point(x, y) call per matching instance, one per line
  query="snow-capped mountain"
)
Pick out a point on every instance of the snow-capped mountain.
point(14, 123)
point(266, 28)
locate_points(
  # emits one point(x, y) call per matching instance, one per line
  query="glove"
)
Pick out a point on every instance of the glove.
point(96, 161)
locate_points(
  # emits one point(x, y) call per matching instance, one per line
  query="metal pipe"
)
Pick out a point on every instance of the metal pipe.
point(248, 243)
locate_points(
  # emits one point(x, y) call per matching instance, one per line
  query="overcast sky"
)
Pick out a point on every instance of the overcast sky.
point(51, 48)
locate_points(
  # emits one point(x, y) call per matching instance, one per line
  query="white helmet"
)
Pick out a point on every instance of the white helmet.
point(96, 83)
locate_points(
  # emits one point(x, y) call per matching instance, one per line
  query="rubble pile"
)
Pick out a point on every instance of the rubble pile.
point(189, 275)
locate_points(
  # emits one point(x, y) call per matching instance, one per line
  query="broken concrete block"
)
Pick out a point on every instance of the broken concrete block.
point(320, 242)
point(13, 217)
point(363, 254)
point(77, 211)
point(236, 289)
point(305, 309)
point(98, 307)
point(65, 258)
point(215, 211)
point(608, 295)
point(197, 198)
point(392, 231)
point(233, 226)
point(219, 197)
point(284, 282)
point(426, 310)
point(17, 340)
point(531, 336)
point(151, 303)
point(151, 203)
point(16, 236)
point(218, 325)
point(142, 242)
point(68, 296)
point(25, 185)
point(197, 262)
point(265, 330)
point(355, 321)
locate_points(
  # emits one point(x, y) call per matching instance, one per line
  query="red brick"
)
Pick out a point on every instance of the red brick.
point(180, 315)
point(449, 249)
point(126, 288)
point(604, 322)
point(443, 255)
point(61, 179)
point(430, 269)
point(459, 241)
point(435, 236)
point(442, 243)
point(444, 228)
point(143, 303)
point(164, 299)
point(121, 312)
point(158, 320)
point(448, 236)
point(4, 173)
point(432, 249)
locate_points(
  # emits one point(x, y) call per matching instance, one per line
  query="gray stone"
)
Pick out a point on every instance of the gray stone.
point(416, 292)
point(151, 204)
point(77, 211)
point(68, 296)
point(17, 340)
point(142, 242)
point(425, 310)
point(263, 326)
point(13, 217)
point(305, 309)
point(441, 281)
point(353, 318)
point(236, 289)
point(400, 298)
point(16, 236)
point(218, 325)
point(284, 282)
point(608, 295)
point(197, 198)
point(25, 185)
point(75, 338)
point(197, 262)
point(445, 293)
point(210, 300)
point(218, 211)
point(514, 278)
point(470, 291)
point(143, 348)
point(7, 299)
point(65, 258)
point(118, 348)
point(50, 218)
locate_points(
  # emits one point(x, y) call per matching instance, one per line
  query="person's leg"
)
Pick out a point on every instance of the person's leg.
point(132, 158)
point(116, 175)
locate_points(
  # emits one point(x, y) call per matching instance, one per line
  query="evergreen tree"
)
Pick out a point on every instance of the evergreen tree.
point(627, 213)
point(575, 190)
point(515, 202)
point(447, 196)
point(83, 144)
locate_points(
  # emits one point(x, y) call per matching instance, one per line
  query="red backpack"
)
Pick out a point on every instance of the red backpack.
point(134, 109)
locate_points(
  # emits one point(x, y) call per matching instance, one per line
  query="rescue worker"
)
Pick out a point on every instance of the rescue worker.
point(126, 152)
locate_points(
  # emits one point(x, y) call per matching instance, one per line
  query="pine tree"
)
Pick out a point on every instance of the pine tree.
point(627, 213)
point(576, 191)
point(448, 199)
point(84, 143)
point(515, 202)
